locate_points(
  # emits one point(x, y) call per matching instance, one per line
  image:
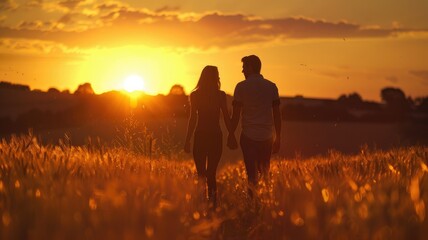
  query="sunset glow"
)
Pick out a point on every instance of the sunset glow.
point(133, 83)
point(218, 119)
point(322, 49)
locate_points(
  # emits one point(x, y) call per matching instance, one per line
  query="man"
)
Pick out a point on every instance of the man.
point(258, 100)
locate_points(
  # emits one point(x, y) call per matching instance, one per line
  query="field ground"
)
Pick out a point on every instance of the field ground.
point(299, 139)
point(96, 192)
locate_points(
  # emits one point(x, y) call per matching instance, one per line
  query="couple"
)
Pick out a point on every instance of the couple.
point(257, 100)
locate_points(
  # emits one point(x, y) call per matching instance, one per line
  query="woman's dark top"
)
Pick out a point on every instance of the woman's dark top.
point(208, 105)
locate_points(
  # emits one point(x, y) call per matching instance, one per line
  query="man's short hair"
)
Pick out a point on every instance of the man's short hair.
point(253, 61)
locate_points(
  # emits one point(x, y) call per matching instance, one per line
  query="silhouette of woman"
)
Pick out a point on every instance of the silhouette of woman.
point(206, 101)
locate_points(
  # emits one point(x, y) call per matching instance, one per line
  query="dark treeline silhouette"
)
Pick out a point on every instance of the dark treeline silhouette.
point(311, 126)
point(11, 86)
point(22, 108)
point(395, 107)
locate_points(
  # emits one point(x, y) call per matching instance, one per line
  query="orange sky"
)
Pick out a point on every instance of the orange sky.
point(317, 48)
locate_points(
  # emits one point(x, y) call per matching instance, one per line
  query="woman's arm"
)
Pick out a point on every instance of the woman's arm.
point(231, 140)
point(191, 125)
point(236, 115)
point(226, 115)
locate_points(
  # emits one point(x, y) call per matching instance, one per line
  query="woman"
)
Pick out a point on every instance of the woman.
point(206, 102)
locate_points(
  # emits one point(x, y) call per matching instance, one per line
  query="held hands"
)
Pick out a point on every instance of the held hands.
point(187, 147)
point(231, 142)
point(276, 145)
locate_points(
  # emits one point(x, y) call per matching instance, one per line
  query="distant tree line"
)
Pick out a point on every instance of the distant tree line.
point(90, 108)
point(395, 106)
point(114, 106)
point(12, 86)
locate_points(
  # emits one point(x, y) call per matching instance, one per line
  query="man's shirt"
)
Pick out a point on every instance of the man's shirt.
point(256, 95)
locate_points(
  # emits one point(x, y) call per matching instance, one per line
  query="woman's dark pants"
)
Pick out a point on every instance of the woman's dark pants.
point(207, 149)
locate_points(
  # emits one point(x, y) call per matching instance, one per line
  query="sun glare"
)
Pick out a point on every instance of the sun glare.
point(133, 83)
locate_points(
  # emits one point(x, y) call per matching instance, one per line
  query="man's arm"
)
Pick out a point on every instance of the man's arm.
point(236, 114)
point(277, 121)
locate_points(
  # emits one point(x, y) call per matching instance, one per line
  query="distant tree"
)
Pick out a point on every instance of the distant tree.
point(176, 101)
point(392, 96)
point(177, 89)
point(411, 103)
point(422, 104)
point(351, 100)
point(53, 90)
point(355, 97)
point(84, 89)
point(397, 106)
point(66, 91)
point(11, 86)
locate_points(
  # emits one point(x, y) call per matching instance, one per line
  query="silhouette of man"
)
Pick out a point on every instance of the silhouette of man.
point(257, 100)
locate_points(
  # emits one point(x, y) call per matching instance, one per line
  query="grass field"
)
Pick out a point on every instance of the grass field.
point(92, 192)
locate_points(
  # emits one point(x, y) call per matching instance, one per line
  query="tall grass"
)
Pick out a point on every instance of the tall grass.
point(134, 135)
point(94, 192)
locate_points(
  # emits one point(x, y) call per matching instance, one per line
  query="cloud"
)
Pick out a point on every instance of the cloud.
point(7, 57)
point(167, 9)
point(34, 3)
point(34, 50)
point(35, 46)
point(391, 79)
point(71, 4)
point(37, 25)
point(61, 6)
point(421, 74)
point(7, 5)
point(45, 6)
point(109, 6)
point(116, 24)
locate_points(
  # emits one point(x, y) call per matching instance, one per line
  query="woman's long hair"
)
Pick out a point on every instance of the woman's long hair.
point(209, 81)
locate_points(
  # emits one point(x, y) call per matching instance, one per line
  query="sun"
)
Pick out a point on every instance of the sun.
point(133, 83)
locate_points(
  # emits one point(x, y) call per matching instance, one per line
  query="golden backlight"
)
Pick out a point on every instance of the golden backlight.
point(133, 83)
point(135, 68)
